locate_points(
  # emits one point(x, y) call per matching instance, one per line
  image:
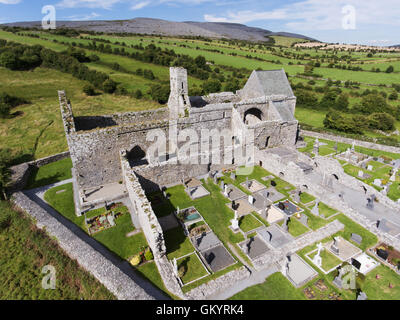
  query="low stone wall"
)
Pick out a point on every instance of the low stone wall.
point(359, 143)
point(116, 281)
point(150, 226)
point(21, 172)
point(217, 285)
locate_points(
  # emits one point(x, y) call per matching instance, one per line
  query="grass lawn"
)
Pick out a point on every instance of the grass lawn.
point(50, 173)
point(325, 210)
point(63, 202)
point(275, 287)
point(306, 198)
point(177, 243)
point(329, 261)
point(114, 238)
point(116, 241)
point(194, 268)
point(248, 223)
point(368, 238)
point(25, 250)
point(296, 228)
point(314, 222)
point(378, 289)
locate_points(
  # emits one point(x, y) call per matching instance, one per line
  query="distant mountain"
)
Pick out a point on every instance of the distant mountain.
point(170, 28)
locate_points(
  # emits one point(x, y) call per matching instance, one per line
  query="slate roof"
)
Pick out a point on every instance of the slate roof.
point(274, 82)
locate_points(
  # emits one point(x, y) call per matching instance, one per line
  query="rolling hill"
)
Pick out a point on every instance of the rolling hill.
point(170, 28)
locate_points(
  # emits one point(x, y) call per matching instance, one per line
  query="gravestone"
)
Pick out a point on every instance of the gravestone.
point(296, 196)
point(338, 280)
point(316, 147)
point(378, 182)
point(393, 176)
point(385, 190)
point(370, 168)
point(370, 203)
point(317, 258)
point(356, 238)
point(315, 209)
point(233, 175)
point(362, 296)
point(304, 219)
point(360, 174)
point(235, 222)
point(251, 200)
point(222, 185)
point(226, 190)
point(334, 247)
point(353, 145)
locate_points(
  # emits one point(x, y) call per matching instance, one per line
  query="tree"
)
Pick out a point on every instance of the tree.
point(89, 90)
point(138, 94)
point(381, 121)
point(232, 85)
point(211, 86)
point(160, 93)
point(373, 102)
point(390, 69)
point(342, 102)
point(4, 110)
point(328, 100)
point(306, 99)
point(393, 96)
point(109, 86)
point(9, 60)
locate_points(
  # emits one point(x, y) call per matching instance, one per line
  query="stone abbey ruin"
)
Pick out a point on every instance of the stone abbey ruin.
point(266, 105)
point(114, 158)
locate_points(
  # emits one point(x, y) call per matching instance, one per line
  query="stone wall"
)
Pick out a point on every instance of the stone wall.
point(150, 226)
point(359, 143)
point(111, 276)
point(21, 172)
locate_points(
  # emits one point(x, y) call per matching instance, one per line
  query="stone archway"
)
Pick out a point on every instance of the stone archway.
point(253, 114)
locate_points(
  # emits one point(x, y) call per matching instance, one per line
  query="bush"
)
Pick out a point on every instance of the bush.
point(390, 69)
point(136, 260)
point(381, 121)
point(4, 110)
point(393, 96)
point(160, 93)
point(89, 90)
point(109, 86)
point(148, 255)
point(138, 94)
point(211, 86)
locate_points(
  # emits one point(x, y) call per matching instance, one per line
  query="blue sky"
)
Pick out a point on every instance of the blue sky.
point(375, 22)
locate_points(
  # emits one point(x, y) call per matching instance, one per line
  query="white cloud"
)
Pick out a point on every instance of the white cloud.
point(103, 4)
point(10, 1)
point(320, 14)
point(84, 17)
point(140, 5)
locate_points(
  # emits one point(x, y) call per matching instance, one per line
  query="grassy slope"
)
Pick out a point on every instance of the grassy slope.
point(25, 251)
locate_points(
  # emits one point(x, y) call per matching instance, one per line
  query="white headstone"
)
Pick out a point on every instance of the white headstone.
point(226, 190)
point(378, 182)
point(360, 174)
point(317, 258)
point(251, 199)
point(370, 168)
point(393, 177)
point(235, 222)
point(353, 146)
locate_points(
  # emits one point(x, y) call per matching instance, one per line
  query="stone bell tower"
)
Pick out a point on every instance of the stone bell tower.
point(178, 100)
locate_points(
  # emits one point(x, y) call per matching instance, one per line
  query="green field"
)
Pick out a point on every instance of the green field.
point(26, 250)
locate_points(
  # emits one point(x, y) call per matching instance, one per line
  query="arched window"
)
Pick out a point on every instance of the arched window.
point(136, 154)
point(254, 112)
